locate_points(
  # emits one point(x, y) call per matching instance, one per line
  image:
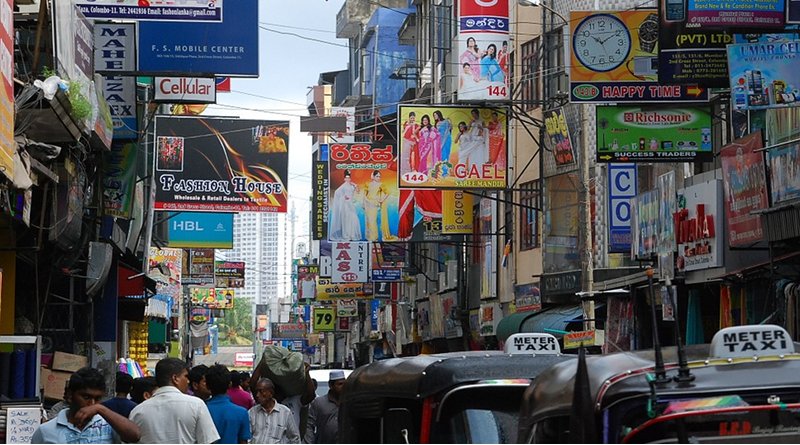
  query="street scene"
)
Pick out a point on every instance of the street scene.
point(399, 221)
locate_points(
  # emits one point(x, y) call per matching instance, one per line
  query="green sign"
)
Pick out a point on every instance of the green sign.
point(653, 134)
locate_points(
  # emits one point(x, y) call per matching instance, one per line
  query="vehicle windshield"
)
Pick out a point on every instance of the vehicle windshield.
point(485, 414)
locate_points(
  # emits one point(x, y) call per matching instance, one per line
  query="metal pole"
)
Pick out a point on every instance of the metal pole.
point(586, 232)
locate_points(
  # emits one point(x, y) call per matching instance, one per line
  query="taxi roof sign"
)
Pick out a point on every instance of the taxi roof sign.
point(532, 343)
point(751, 340)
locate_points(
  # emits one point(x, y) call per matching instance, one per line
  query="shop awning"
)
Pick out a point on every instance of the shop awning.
point(555, 318)
point(512, 324)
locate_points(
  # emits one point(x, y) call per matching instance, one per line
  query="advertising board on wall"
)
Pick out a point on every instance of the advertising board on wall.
point(115, 55)
point(445, 147)
point(783, 161)
point(698, 228)
point(350, 262)
point(319, 213)
point(483, 61)
point(745, 189)
point(764, 75)
point(456, 212)
point(201, 230)
point(190, 90)
point(160, 10)
point(229, 274)
point(644, 225)
point(622, 186)
point(421, 217)
point(221, 164)
point(199, 268)
point(642, 134)
point(739, 14)
point(558, 137)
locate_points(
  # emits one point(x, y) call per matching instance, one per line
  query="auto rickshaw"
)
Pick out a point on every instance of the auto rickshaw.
point(743, 387)
point(459, 397)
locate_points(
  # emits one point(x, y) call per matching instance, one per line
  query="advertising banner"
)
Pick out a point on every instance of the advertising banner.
point(446, 147)
point(725, 14)
point(689, 55)
point(307, 281)
point(456, 212)
point(363, 195)
point(114, 56)
point(229, 273)
point(346, 307)
point(211, 298)
point(667, 206)
point(160, 10)
point(203, 230)
point(164, 267)
point(643, 134)
point(327, 290)
point(745, 183)
point(622, 186)
point(387, 267)
point(784, 176)
point(350, 262)
point(764, 75)
point(558, 137)
point(200, 267)
point(483, 61)
point(490, 315)
point(119, 179)
point(421, 217)
point(221, 164)
point(452, 319)
point(7, 112)
point(614, 58)
point(287, 331)
point(527, 297)
point(319, 205)
point(185, 90)
point(644, 225)
point(324, 319)
point(698, 227)
point(226, 48)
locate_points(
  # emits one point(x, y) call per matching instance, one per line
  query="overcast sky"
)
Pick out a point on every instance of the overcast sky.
point(297, 41)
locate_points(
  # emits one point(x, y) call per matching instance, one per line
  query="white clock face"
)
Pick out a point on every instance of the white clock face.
point(601, 42)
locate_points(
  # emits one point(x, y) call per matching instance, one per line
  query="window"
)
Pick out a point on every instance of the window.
point(556, 78)
point(531, 74)
point(530, 198)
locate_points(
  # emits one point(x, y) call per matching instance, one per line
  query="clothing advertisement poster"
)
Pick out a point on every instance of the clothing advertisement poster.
point(483, 61)
point(307, 281)
point(363, 195)
point(450, 147)
point(221, 164)
point(164, 267)
point(745, 189)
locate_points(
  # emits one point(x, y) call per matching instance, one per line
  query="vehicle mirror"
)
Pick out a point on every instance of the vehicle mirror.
point(397, 425)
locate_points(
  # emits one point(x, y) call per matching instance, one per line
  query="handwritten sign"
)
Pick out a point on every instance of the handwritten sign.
point(21, 424)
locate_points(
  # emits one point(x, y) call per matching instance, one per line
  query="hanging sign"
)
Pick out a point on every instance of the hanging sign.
point(324, 319)
point(350, 262)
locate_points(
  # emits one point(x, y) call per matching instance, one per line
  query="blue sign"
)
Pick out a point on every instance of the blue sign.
point(387, 274)
point(375, 313)
point(621, 188)
point(229, 48)
point(200, 230)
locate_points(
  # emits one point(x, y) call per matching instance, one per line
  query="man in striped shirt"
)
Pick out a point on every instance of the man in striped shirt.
point(271, 422)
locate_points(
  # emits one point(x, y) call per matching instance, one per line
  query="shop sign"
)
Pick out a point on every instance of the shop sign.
point(562, 283)
point(575, 340)
point(201, 230)
point(490, 315)
point(161, 10)
point(326, 290)
point(483, 61)
point(745, 189)
point(115, 56)
point(527, 297)
point(189, 90)
point(644, 225)
point(697, 226)
point(622, 185)
point(456, 212)
point(324, 319)
point(346, 307)
point(725, 14)
point(229, 273)
point(350, 262)
point(558, 137)
point(288, 330)
point(764, 75)
point(319, 215)
point(307, 279)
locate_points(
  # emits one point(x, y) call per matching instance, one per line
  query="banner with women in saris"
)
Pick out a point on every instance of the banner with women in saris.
point(451, 147)
point(363, 195)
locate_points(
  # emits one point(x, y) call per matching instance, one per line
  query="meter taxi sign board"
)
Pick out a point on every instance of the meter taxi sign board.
point(751, 340)
point(532, 343)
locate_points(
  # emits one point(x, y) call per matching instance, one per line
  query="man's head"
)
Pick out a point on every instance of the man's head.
point(143, 389)
point(124, 383)
point(87, 386)
point(197, 381)
point(244, 379)
point(218, 379)
point(265, 392)
point(336, 383)
point(172, 372)
point(236, 379)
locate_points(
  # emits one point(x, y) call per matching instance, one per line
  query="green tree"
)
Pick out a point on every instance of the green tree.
point(236, 328)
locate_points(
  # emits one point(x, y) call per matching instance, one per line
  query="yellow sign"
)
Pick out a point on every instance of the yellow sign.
point(329, 291)
point(456, 212)
point(575, 340)
point(324, 319)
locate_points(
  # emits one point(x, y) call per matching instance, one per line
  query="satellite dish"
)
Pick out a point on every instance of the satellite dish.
point(100, 257)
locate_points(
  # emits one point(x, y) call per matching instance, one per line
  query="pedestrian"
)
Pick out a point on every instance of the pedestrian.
point(237, 394)
point(232, 421)
point(323, 414)
point(270, 421)
point(197, 382)
point(171, 415)
point(87, 420)
point(143, 389)
point(297, 402)
point(120, 403)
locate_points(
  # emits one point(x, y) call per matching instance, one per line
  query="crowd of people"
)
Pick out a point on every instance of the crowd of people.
point(198, 405)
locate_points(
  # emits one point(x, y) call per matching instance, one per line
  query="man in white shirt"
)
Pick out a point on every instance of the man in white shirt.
point(270, 421)
point(170, 415)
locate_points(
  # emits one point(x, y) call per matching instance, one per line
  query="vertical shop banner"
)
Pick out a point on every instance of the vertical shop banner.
point(160, 10)
point(200, 267)
point(7, 112)
point(448, 147)
point(644, 225)
point(203, 230)
point(488, 224)
point(319, 212)
point(764, 75)
point(456, 212)
point(350, 262)
point(622, 186)
point(745, 189)
point(119, 179)
point(363, 195)
point(784, 174)
point(483, 61)
point(307, 281)
point(115, 56)
point(614, 58)
point(164, 267)
point(698, 227)
point(646, 134)
point(739, 14)
point(558, 138)
point(221, 164)
point(667, 206)
point(229, 274)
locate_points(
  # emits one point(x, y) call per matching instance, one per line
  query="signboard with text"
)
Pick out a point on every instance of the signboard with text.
point(764, 75)
point(745, 182)
point(160, 10)
point(319, 205)
point(698, 227)
point(622, 187)
point(739, 14)
point(194, 229)
point(7, 111)
point(350, 262)
point(558, 137)
point(483, 61)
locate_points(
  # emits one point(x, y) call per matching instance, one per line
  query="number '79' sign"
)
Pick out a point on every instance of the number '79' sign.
point(324, 319)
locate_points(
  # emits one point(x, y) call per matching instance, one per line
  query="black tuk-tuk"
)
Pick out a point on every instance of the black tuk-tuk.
point(459, 397)
point(743, 387)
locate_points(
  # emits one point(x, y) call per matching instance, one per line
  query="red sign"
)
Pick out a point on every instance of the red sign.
point(484, 8)
point(745, 189)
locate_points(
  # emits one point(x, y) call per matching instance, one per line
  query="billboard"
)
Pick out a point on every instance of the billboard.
point(446, 147)
point(764, 75)
point(160, 10)
point(614, 58)
point(698, 226)
point(226, 48)
point(456, 212)
point(165, 267)
point(622, 186)
point(200, 267)
point(725, 14)
point(483, 61)
point(558, 138)
point(362, 193)
point(211, 298)
point(644, 225)
point(745, 189)
point(7, 145)
point(229, 274)
point(319, 205)
point(221, 164)
point(421, 217)
point(203, 230)
point(350, 262)
point(646, 134)
point(119, 179)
